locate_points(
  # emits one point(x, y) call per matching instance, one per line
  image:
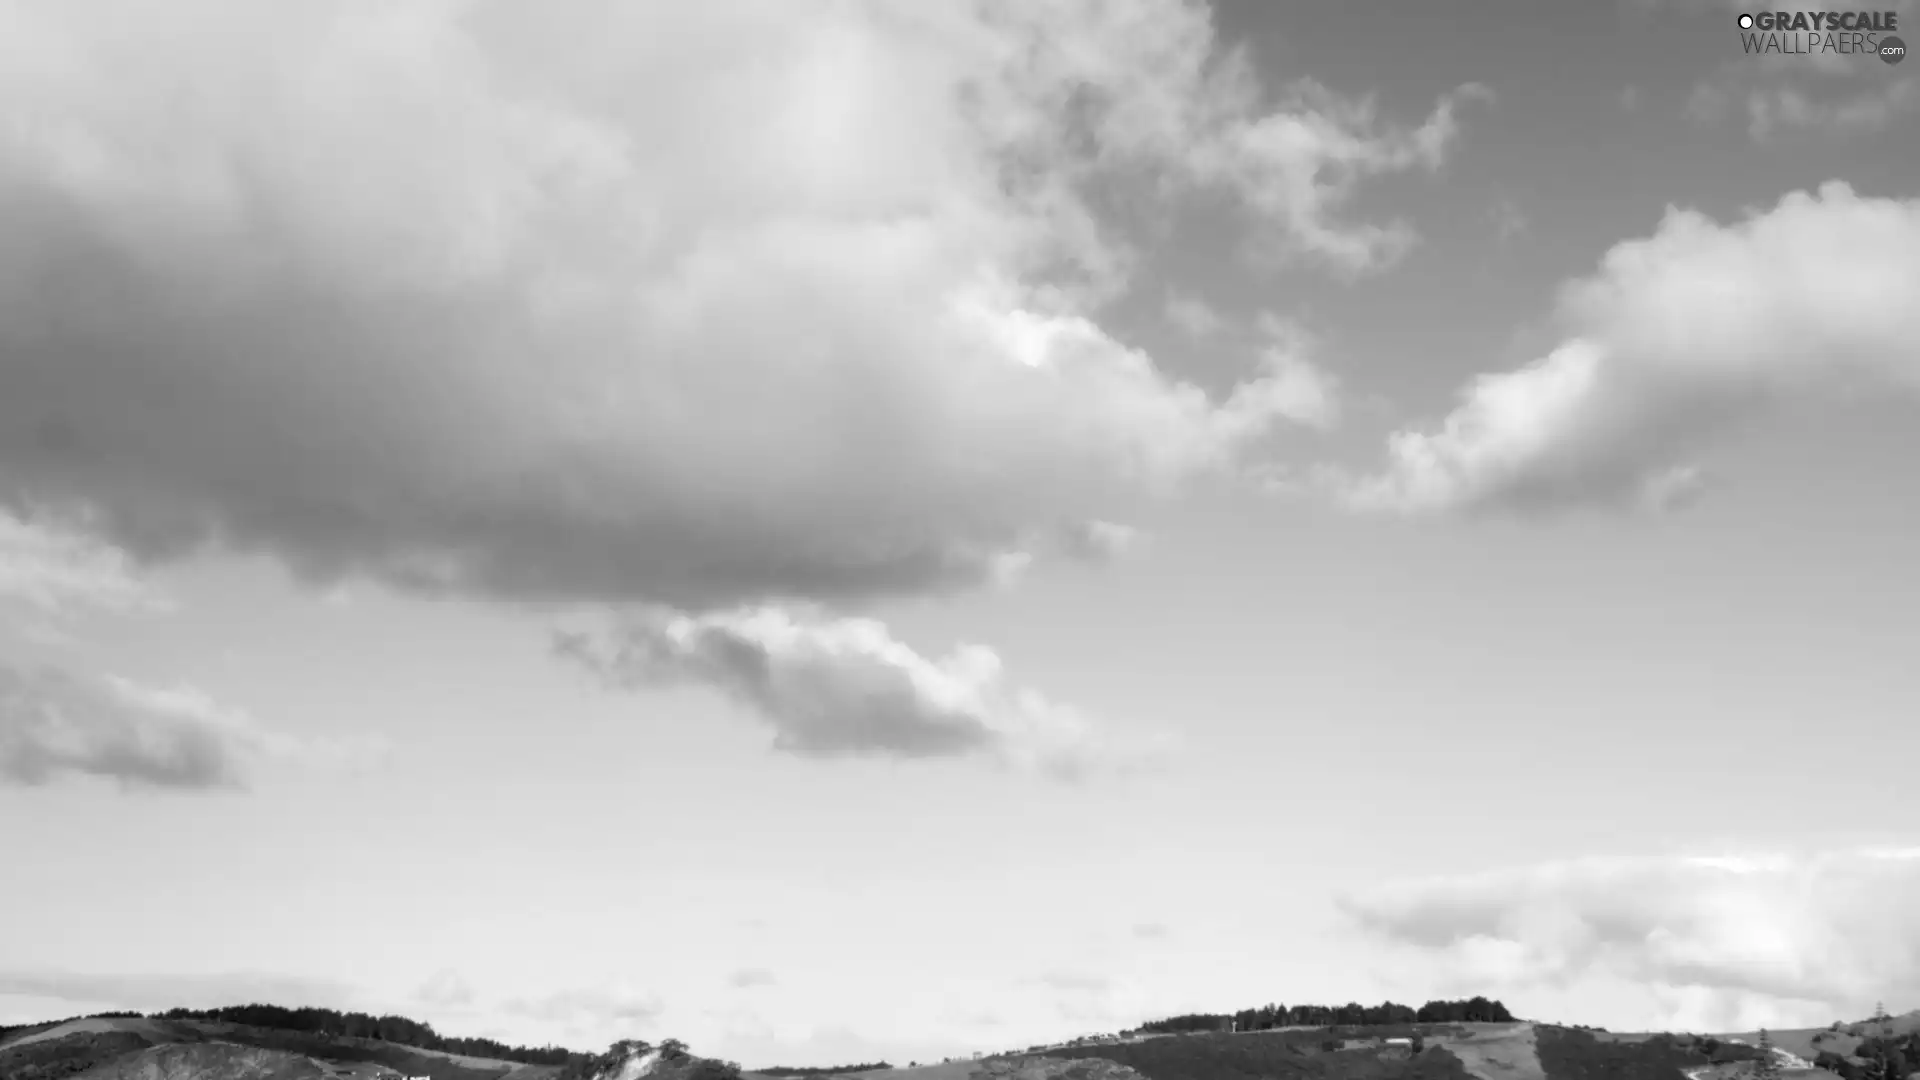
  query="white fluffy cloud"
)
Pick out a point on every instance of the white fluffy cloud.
point(1715, 940)
point(841, 687)
point(55, 723)
point(1677, 337)
point(692, 303)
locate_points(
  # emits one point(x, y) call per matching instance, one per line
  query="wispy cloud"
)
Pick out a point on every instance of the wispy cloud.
point(149, 992)
point(54, 566)
point(1770, 112)
point(55, 723)
point(1193, 316)
point(446, 988)
point(1508, 220)
point(747, 978)
point(591, 1007)
point(1077, 981)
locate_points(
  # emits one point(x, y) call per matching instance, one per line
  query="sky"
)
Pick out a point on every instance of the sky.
point(837, 530)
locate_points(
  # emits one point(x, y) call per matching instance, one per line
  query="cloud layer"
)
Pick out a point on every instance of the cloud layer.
point(844, 687)
point(697, 304)
point(1812, 938)
point(1679, 336)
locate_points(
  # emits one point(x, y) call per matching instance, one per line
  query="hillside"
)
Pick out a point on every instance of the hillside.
point(181, 1046)
point(156, 1048)
point(172, 1046)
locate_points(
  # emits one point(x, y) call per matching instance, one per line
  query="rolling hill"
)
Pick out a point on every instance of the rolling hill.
point(192, 1047)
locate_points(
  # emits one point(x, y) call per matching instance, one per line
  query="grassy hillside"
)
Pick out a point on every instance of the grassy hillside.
point(1324, 1054)
point(1572, 1054)
point(82, 1047)
point(209, 1061)
point(33, 1058)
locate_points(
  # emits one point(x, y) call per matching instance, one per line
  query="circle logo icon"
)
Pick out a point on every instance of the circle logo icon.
point(1746, 22)
point(1892, 50)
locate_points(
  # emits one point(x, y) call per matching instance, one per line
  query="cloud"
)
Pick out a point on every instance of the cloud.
point(589, 1008)
point(1800, 937)
point(1804, 90)
point(446, 987)
point(746, 978)
point(151, 992)
point(54, 568)
point(1508, 220)
point(1077, 982)
point(844, 687)
point(1679, 337)
point(1769, 111)
point(694, 304)
point(1194, 316)
point(1300, 391)
point(1101, 541)
point(54, 723)
point(1094, 999)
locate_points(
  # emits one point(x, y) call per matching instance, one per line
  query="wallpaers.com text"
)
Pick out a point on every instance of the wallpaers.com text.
point(1802, 32)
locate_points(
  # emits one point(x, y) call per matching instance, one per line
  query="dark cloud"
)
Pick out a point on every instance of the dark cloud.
point(838, 687)
point(436, 299)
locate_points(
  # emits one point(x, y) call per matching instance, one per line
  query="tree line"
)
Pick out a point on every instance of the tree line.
point(1468, 1011)
point(357, 1025)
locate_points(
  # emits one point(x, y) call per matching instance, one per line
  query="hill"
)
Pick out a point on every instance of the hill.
point(321, 1045)
point(189, 1046)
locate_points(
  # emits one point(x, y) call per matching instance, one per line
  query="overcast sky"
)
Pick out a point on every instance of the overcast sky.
point(833, 529)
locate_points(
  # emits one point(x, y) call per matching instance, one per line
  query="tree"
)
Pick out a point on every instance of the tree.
point(1768, 1067)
